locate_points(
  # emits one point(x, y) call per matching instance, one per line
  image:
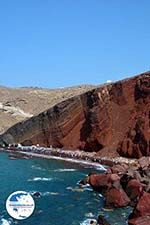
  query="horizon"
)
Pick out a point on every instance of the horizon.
point(64, 44)
point(76, 85)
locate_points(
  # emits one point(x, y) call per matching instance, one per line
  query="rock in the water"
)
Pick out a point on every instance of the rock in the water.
point(102, 221)
point(116, 198)
point(93, 222)
point(83, 181)
point(102, 182)
point(36, 194)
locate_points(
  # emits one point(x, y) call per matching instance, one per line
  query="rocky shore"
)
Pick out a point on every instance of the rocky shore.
point(123, 185)
point(110, 125)
point(89, 157)
point(125, 182)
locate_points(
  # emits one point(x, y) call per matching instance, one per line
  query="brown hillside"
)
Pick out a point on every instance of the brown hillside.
point(18, 104)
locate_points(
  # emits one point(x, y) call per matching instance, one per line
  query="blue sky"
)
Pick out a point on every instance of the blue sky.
point(57, 43)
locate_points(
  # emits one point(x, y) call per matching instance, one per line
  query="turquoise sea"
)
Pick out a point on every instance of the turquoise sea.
point(62, 201)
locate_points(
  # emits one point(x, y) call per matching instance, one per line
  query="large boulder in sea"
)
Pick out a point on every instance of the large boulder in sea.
point(116, 198)
point(102, 182)
point(109, 186)
point(112, 117)
point(141, 212)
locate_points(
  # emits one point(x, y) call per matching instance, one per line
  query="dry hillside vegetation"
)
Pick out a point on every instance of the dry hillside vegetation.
point(18, 104)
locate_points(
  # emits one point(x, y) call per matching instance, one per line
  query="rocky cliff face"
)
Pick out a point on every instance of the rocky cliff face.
point(111, 119)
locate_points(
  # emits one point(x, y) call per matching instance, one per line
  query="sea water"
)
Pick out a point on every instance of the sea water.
point(62, 201)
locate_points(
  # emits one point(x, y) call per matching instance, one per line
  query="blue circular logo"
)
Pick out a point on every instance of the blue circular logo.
point(20, 205)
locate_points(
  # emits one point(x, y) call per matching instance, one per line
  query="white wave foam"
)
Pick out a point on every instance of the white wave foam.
point(88, 222)
point(5, 222)
point(37, 168)
point(100, 195)
point(41, 179)
point(75, 189)
point(89, 215)
point(88, 189)
point(49, 193)
point(101, 167)
point(64, 170)
point(82, 162)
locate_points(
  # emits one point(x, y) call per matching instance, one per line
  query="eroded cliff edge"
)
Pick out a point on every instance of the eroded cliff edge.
point(110, 120)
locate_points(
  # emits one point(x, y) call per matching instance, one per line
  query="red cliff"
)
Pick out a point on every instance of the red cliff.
point(111, 119)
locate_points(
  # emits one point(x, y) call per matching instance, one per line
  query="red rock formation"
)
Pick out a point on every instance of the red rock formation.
point(110, 119)
point(143, 220)
point(136, 142)
point(134, 189)
point(116, 198)
point(141, 213)
point(109, 186)
point(102, 182)
point(122, 185)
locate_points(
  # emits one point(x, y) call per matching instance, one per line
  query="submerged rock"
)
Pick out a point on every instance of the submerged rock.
point(84, 181)
point(93, 222)
point(102, 221)
point(36, 194)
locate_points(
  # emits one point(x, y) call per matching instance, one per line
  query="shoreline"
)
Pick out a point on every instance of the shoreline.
point(78, 161)
point(102, 182)
point(76, 156)
point(71, 160)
